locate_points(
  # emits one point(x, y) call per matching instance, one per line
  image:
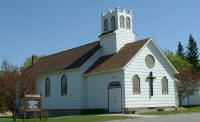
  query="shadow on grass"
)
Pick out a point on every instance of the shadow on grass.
point(6, 117)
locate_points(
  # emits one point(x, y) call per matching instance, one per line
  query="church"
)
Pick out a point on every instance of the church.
point(117, 73)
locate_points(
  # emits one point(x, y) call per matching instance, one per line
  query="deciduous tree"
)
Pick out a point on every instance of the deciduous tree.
point(14, 82)
point(178, 62)
point(189, 81)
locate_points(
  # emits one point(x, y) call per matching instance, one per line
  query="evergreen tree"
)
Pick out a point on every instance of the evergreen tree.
point(180, 50)
point(192, 54)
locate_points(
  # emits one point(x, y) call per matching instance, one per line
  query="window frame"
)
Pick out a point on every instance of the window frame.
point(146, 61)
point(133, 84)
point(128, 23)
point(113, 23)
point(47, 88)
point(122, 22)
point(163, 92)
point(105, 24)
point(62, 87)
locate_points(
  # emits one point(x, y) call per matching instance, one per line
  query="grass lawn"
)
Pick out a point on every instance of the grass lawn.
point(192, 109)
point(80, 118)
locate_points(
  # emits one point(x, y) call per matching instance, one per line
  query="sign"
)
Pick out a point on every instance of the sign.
point(32, 103)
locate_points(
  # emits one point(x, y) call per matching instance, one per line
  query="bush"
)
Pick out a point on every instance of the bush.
point(92, 111)
point(3, 107)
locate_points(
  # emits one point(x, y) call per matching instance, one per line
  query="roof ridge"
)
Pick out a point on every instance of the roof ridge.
point(69, 49)
point(138, 40)
point(117, 60)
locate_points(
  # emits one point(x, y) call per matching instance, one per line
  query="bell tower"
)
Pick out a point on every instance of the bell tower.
point(117, 30)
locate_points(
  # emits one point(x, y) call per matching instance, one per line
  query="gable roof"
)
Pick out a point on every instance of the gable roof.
point(118, 60)
point(165, 57)
point(65, 60)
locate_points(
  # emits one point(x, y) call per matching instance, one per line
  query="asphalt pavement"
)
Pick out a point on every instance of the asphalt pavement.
point(188, 117)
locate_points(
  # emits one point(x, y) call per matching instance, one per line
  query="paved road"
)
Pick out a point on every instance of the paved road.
point(191, 117)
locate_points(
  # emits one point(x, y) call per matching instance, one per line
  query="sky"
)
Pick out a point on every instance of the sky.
point(44, 27)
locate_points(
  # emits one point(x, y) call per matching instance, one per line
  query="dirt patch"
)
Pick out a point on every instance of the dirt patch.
point(6, 114)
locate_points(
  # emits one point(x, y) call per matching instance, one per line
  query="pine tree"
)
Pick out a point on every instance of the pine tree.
point(180, 50)
point(192, 54)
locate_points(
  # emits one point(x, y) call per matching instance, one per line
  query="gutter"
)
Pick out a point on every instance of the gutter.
point(58, 72)
point(118, 69)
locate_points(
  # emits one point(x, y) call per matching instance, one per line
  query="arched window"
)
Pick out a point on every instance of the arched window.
point(128, 23)
point(64, 85)
point(136, 84)
point(164, 85)
point(113, 22)
point(47, 87)
point(105, 25)
point(122, 25)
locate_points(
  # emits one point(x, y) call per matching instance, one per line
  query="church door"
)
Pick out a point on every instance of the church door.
point(114, 97)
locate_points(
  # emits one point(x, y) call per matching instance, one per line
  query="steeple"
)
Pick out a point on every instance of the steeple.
point(116, 19)
point(117, 30)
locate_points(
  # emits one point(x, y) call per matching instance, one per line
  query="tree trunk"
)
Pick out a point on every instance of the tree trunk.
point(180, 103)
point(188, 100)
point(14, 115)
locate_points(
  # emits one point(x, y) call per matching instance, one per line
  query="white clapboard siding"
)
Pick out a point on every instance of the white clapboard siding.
point(97, 88)
point(73, 98)
point(124, 36)
point(160, 69)
point(83, 68)
point(114, 42)
point(108, 43)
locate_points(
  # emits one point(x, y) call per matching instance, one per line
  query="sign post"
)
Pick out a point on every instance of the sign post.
point(32, 103)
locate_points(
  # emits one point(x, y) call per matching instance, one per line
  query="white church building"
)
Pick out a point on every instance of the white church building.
point(117, 73)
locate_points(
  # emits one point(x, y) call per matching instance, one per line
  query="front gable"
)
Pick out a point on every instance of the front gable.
point(137, 66)
point(160, 59)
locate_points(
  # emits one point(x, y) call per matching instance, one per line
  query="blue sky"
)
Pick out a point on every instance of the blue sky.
point(44, 27)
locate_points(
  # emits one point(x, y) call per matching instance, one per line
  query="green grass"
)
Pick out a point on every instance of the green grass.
point(79, 118)
point(192, 109)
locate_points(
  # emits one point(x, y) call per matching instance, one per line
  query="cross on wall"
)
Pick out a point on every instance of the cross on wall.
point(151, 78)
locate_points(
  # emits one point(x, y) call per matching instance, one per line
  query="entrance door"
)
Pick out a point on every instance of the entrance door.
point(115, 98)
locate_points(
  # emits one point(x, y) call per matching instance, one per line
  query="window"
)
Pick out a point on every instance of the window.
point(150, 61)
point(136, 84)
point(105, 25)
point(63, 85)
point(47, 87)
point(164, 85)
point(128, 24)
point(113, 22)
point(122, 25)
point(114, 85)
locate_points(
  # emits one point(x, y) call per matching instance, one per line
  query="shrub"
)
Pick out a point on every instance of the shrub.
point(92, 111)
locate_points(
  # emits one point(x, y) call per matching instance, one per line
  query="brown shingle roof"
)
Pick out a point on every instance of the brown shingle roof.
point(68, 59)
point(118, 60)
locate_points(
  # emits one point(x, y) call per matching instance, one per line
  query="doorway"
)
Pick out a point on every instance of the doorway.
point(114, 97)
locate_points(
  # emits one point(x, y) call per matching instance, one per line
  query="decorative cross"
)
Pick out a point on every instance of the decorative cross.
point(151, 78)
